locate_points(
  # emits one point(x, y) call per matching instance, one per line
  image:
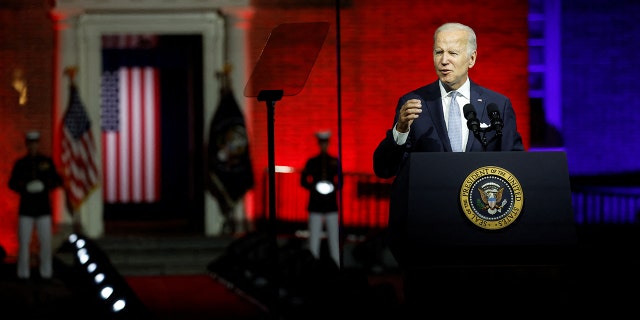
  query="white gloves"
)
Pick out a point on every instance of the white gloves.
point(324, 187)
point(35, 186)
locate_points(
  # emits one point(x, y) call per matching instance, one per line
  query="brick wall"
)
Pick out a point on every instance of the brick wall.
point(26, 52)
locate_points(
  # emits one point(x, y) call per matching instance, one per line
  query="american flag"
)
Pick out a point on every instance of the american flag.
point(78, 149)
point(131, 135)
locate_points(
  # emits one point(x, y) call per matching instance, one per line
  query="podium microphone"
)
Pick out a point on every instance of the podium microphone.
point(472, 121)
point(474, 124)
point(494, 115)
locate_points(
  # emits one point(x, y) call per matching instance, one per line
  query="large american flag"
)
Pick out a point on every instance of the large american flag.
point(131, 135)
point(78, 151)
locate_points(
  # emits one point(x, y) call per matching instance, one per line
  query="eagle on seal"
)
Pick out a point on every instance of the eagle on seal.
point(491, 197)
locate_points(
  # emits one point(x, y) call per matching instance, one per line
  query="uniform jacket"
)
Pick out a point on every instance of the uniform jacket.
point(29, 168)
point(321, 167)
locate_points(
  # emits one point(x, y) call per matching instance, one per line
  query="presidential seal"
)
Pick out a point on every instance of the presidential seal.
point(491, 197)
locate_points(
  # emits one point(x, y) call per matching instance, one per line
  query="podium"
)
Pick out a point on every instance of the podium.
point(486, 227)
point(449, 222)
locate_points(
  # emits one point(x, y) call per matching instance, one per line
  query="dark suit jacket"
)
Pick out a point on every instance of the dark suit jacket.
point(428, 133)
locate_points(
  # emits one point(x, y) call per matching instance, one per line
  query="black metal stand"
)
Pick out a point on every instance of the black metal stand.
point(270, 97)
point(307, 39)
point(483, 138)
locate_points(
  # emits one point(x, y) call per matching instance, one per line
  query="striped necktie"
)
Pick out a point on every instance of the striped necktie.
point(455, 131)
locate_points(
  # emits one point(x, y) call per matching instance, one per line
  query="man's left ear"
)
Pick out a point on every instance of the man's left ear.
point(472, 60)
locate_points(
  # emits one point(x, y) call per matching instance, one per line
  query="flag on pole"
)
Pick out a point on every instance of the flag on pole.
point(78, 150)
point(229, 162)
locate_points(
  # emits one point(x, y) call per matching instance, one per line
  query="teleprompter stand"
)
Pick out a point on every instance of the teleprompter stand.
point(282, 70)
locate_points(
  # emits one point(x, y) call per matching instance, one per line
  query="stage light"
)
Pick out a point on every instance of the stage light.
point(118, 305)
point(83, 256)
point(284, 169)
point(106, 292)
point(98, 278)
point(80, 243)
point(110, 289)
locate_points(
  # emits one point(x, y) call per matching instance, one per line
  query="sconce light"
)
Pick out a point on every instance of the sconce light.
point(20, 85)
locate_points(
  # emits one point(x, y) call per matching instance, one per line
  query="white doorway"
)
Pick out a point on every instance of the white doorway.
point(88, 40)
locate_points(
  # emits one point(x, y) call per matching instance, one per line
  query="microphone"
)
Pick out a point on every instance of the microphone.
point(494, 115)
point(472, 121)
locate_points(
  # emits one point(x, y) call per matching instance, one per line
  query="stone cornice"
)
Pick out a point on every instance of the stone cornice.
point(144, 5)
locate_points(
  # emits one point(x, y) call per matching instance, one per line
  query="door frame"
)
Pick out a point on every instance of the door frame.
point(89, 31)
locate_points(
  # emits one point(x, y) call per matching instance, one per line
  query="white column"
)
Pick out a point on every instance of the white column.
point(89, 215)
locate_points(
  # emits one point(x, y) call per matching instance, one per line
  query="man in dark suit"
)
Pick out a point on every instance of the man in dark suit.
point(422, 121)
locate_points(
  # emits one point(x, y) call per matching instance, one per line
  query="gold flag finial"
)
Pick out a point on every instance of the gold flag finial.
point(71, 72)
point(224, 76)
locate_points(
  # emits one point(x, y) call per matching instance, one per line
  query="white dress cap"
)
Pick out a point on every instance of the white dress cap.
point(323, 135)
point(33, 135)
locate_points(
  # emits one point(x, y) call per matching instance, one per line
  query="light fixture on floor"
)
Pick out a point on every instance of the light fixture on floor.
point(111, 290)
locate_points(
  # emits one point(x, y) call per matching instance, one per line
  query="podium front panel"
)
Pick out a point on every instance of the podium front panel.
point(436, 219)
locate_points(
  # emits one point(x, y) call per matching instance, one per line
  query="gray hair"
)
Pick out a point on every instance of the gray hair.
point(472, 44)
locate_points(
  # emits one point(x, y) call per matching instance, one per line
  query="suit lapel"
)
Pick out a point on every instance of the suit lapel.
point(434, 109)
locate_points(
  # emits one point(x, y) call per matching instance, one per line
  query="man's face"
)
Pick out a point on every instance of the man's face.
point(32, 146)
point(450, 58)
